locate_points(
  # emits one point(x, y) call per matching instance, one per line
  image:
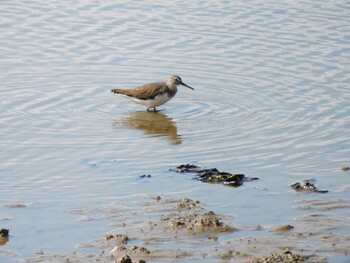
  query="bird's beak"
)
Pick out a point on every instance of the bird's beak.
point(183, 84)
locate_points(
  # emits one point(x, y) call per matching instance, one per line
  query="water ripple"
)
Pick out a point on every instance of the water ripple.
point(271, 96)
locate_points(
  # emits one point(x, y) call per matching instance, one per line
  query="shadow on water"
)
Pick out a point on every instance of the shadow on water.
point(154, 124)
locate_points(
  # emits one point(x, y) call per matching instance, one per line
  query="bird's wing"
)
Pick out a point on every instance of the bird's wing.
point(149, 91)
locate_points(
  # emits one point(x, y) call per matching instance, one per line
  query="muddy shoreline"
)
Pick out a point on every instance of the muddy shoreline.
point(183, 229)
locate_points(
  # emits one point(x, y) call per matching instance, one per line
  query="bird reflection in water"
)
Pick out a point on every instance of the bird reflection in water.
point(155, 124)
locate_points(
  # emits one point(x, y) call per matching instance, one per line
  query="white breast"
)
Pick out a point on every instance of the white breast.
point(155, 102)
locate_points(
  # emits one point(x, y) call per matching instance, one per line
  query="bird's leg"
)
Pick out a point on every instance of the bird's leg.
point(154, 109)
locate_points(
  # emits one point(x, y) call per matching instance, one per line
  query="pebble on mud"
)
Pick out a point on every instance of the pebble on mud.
point(133, 249)
point(286, 256)
point(137, 249)
point(186, 204)
point(199, 221)
point(282, 228)
point(124, 259)
point(120, 238)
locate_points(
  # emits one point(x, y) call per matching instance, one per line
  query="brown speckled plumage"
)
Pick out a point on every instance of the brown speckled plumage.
point(153, 94)
point(147, 91)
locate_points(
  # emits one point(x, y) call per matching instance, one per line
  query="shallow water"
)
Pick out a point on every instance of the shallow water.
point(271, 100)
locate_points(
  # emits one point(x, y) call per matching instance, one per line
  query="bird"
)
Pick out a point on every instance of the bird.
point(153, 94)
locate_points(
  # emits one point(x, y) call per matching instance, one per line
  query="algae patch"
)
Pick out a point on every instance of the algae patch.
point(214, 176)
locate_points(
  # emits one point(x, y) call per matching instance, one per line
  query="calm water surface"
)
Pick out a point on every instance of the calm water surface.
point(271, 100)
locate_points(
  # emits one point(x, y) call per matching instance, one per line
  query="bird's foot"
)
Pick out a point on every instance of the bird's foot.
point(154, 110)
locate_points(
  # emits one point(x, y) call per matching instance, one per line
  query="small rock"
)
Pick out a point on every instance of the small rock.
point(285, 256)
point(109, 236)
point(282, 228)
point(137, 249)
point(345, 168)
point(3, 240)
point(125, 259)
point(120, 238)
point(187, 168)
point(307, 186)
point(4, 232)
point(118, 249)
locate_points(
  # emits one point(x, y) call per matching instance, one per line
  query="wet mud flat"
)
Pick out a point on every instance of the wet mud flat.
point(180, 230)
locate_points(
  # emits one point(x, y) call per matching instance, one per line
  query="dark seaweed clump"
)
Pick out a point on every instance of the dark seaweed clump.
point(214, 176)
point(4, 232)
point(307, 186)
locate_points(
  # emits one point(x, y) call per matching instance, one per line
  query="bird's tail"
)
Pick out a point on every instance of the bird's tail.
point(126, 92)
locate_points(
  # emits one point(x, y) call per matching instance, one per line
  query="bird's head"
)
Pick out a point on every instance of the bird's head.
point(174, 81)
